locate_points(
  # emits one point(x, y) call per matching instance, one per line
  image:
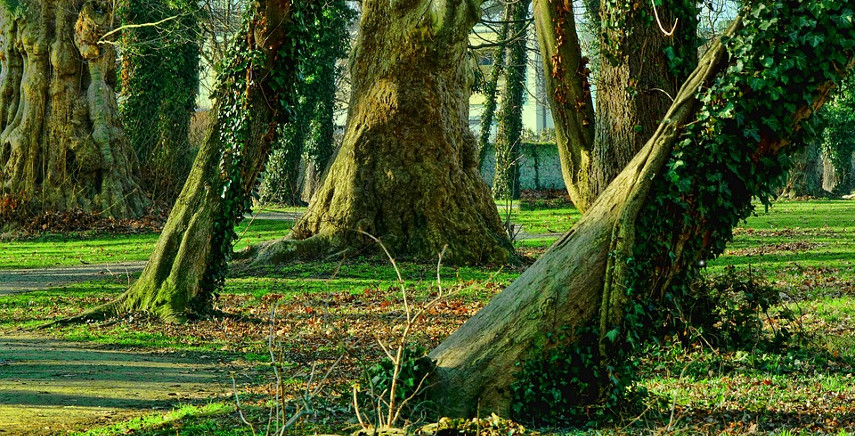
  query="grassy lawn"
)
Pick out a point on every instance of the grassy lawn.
point(805, 249)
point(83, 247)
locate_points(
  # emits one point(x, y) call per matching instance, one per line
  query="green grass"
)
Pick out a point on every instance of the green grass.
point(806, 249)
point(211, 419)
point(82, 247)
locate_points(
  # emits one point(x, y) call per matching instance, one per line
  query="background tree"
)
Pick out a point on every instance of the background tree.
point(255, 95)
point(641, 67)
point(805, 176)
point(491, 86)
point(160, 81)
point(61, 143)
point(310, 134)
point(506, 181)
point(407, 170)
point(838, 144)
point(608, 283)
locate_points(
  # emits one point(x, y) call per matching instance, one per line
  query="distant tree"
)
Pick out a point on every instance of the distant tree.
point(255, 94)
point(160, 82)
point(838, 137)
point(506, 181)
point(61, 143)
point(491, 86)
point(639, 72)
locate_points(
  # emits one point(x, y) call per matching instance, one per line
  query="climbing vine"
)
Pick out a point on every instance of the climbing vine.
point(310, 134)
point(160, 79)
point(782, 60)
point(245, 68)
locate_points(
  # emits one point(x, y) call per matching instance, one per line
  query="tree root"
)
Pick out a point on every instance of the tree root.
point(99, 313)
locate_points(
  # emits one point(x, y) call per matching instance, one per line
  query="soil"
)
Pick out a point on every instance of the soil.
point(49, 386)
point(14, 281)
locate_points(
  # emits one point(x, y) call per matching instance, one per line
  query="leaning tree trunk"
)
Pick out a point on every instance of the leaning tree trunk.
point(805, 178)
point(188, 262)
point(61, 144)
point(674, 204)
point(635, 86)
point(407, 170)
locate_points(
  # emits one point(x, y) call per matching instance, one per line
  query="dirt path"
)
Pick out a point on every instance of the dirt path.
point(13, 281)
point(49, 386)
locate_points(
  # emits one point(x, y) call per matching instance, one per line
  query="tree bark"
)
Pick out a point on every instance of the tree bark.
point(176, 280)
point(61, 144)
point(583, 279)
point(805, 178)
point(506, 180)
point(491, 88)
point(407, 170)
point(635, 86)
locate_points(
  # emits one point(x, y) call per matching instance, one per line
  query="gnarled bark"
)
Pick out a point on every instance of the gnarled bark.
point(407, 170)
point(61, 143)
point(581, 281)
point(173, 282)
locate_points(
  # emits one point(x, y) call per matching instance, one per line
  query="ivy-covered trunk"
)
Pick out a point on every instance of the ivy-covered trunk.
point(805, 177)
point(602, 288)
point(61, 143)
point(160, 80)
point(407, 170)
point(641, 70)
point(491, 88)
point(506, 181)
point(189, 260)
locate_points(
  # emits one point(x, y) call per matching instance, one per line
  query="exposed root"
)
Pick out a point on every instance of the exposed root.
point(99, 313)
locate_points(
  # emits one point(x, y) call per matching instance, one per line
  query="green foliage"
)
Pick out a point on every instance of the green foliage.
point(728, 311)
point(311, 130)
point(557, 383)
point(720, 163)
point(160, 79)
point(838, 144)
point(413, 371)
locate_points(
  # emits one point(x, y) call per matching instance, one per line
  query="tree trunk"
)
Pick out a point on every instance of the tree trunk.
point(61, 144)
point(644, 236)
point(805, 179)
point(407, 170)
point(506, 180)
point(188, 260)
point(491, 88)
point(635, 86)
point(160, 80)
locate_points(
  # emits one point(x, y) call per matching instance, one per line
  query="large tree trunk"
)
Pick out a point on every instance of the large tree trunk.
point(188, 262)
point(635, 86)
point(61, 144)
point(646, 233)
point(407, 170)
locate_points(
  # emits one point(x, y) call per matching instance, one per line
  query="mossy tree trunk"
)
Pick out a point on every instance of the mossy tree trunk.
point(643, 237)
point(407, 170)
point(506, 180)
point(635, 85)
point(61, 144)
point(187, 262)
point(805, 178)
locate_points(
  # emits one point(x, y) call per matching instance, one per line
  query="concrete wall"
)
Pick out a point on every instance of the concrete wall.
point(539, 167)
